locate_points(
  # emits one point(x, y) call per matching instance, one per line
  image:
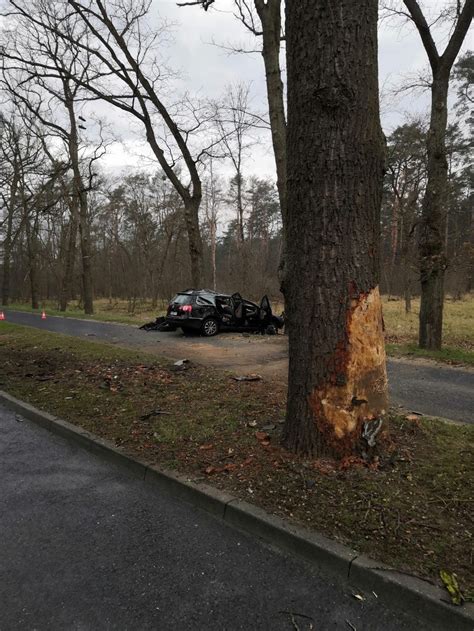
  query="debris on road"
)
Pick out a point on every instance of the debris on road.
point(358, 597)
point(159, 324)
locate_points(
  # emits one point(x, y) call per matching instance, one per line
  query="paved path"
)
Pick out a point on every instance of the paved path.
point(417, 385)
point(84, 548)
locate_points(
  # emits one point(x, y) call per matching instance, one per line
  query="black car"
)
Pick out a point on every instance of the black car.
point(206, 312)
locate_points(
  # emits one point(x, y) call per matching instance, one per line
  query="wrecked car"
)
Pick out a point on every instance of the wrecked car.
point(206, 312)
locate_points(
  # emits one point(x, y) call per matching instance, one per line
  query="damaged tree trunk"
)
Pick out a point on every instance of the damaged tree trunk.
point(337, 384)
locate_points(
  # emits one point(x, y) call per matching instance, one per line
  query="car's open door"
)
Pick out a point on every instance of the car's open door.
point(265, 309)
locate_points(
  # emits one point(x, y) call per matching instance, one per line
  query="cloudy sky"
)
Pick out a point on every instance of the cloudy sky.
point(206, 69)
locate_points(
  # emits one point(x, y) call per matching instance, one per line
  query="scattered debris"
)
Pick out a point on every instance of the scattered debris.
point(18, 418)
point(181, 362)
point(159, 324)
point(206, 447)
point(412, 417)
point(450, 581)
point(268, 428)
point(351, 625)
point(251, 377)
point(157, 412)
point(252, 424)
point(370, 431)
point(261, 436)
point(358, 597)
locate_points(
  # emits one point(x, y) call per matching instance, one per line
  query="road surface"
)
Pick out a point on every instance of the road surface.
point(416, 385)
point(85, 548)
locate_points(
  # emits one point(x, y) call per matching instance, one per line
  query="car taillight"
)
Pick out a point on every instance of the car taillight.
point(187, 308)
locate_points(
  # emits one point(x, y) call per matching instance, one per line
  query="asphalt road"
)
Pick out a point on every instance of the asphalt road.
point(416, 385)
point(83, 547)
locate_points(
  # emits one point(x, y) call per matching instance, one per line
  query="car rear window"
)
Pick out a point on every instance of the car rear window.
point(183, 299)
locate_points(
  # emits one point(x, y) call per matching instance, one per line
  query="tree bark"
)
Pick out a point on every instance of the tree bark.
point(337, 385)
point(191, 215)
point(432, 229)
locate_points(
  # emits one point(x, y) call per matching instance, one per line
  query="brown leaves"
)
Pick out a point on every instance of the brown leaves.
point(263, 438)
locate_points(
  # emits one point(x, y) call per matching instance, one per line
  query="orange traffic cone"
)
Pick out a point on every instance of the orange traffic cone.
point(2, 316)
point(43, 315)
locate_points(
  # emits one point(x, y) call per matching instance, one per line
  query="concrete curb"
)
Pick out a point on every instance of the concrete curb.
point(362, 573)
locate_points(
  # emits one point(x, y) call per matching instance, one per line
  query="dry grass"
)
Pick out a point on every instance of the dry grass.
point(458, 325)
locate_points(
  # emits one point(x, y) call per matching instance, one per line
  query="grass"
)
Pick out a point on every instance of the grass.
point(401, 328)
point(104, 310)
point(413, 510)
point(458, 330)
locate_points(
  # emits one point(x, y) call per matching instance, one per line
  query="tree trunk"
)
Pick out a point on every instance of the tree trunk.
point(270, 17)
point(66, 284)
point(81, 195)
point(191, 214)
point(433, 220)
point(213, 230)
point(8, 241)
point(337, 385)
point(32, 248)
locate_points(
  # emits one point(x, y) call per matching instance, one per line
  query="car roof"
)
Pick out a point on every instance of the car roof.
point(198, 292)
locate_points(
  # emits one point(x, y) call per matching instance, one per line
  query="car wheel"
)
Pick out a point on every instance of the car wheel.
point(210, 327)
point(189, 332)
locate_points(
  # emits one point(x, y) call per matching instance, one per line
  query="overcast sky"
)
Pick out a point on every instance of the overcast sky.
point(207, 69)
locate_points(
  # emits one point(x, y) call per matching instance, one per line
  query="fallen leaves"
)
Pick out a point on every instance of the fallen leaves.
point(450, 581)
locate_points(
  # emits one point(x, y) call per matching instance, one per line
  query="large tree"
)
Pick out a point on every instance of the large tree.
point(337, 386)
point(432, 252)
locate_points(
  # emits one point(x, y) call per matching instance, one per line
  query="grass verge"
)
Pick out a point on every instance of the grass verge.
point(413, 511)
point(104, 311)
point(447, 355)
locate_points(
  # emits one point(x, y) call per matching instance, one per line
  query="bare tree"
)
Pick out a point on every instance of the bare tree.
point(124, 71)
point(263, 19)
point(20, 181)
point(234, 125)
point(432, 227)
point(37, 69)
